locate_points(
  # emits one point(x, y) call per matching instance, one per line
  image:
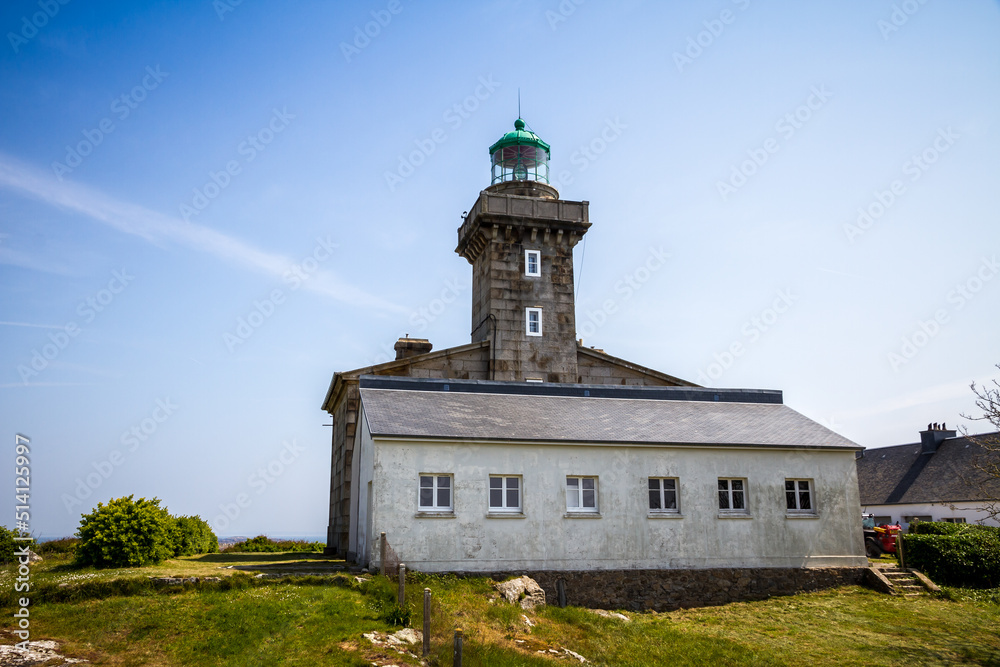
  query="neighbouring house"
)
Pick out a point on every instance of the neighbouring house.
point(526, 451)
point(935, 479)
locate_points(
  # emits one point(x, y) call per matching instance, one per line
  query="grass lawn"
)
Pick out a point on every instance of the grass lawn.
point(320, 620)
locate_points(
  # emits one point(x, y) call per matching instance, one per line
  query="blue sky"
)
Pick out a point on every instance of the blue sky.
point(208, 208)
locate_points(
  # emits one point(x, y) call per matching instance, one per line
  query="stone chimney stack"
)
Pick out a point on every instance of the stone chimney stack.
point(934, 436)
point(411, 347)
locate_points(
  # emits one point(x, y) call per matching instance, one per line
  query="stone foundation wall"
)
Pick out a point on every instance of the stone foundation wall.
point(666, 590)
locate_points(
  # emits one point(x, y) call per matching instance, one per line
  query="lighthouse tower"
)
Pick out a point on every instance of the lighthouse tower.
point(519, 237)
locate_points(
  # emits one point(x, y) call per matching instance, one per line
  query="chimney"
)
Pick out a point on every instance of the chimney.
point(411, 347)
point(934, 436)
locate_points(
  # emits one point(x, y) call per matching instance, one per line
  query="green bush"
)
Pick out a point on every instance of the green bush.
point(6, 545)
point(126, 533)
point(192, 535)
point(66, 545)
point(947, 528)
point(263, 544)
point(969, 558)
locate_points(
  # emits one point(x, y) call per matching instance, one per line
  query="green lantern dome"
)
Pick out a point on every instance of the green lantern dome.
point(520, 156)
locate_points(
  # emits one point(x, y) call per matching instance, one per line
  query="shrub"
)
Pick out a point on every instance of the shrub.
point(126, 533)
point(263, 544)
point(968, 558)
point(192, 535)
point(947, 528)
point(66, 545)
point(6, 545)
point(381, 594)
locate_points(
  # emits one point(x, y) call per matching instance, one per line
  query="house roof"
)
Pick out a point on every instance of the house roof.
point(518, 411)
point(901, 474)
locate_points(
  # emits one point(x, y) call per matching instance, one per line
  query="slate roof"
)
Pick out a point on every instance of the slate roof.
point(476, 410)
point(902, 475)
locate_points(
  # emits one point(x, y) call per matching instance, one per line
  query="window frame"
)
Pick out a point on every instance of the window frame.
point(797, 492)
point(730, 491)
point(580, 490)
point(537, 254)
point(662, 492)
point(527, 321)
point(435, 508)
point(504, 491)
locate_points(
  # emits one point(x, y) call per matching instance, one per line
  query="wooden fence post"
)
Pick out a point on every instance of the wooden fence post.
point(458, 648)
point(427, 622)
point(561, 593)
point(402, 584)
point(381, 554)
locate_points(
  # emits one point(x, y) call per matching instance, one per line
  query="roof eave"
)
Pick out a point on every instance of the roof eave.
point(610, 443)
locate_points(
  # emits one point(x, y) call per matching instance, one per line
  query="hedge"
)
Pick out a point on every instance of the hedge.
point(948, 528)
point(262, 544)
point(968, 556)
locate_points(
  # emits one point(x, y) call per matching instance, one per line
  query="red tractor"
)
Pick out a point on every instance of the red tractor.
point(879, 539)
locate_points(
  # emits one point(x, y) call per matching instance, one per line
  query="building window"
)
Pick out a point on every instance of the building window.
point(954, 519)
point(533, 263)
point(581, 494)
point(663, 494)
point(533, 320)
point(505, 494)
point(798, 496)
point(732, 495)
point(883, 520)
point(435, 493)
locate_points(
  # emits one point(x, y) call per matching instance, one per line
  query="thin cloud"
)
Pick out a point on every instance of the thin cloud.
point(15, 385)
point(29, 324)
point(160, 229)
point(12, 257)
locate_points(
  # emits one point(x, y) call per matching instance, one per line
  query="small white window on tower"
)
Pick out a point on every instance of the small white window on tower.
point(533, 263)
point(533, 321)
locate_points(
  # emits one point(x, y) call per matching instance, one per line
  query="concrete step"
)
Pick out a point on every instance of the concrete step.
point(904, 582)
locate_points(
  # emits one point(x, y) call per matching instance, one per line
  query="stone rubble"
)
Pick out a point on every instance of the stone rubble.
point(38, 653)
point(182, 580)
point(561, 653)
point(399, 641)
point(611, 614)
point(523, 590)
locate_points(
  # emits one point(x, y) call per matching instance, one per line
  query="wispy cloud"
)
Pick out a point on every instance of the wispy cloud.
point(29, 324)
point(160, 229)
point(21, 385)
point(12, 257)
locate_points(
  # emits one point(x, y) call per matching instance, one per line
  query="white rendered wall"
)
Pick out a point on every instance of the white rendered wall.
point(937, 511)
point(624, 537)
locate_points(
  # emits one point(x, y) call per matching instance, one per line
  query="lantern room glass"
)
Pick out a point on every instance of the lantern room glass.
point(520, 163)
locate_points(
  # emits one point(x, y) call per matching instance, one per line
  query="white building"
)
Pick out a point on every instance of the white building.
point(524, 450)
point(935, 479)
point(466, 475)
